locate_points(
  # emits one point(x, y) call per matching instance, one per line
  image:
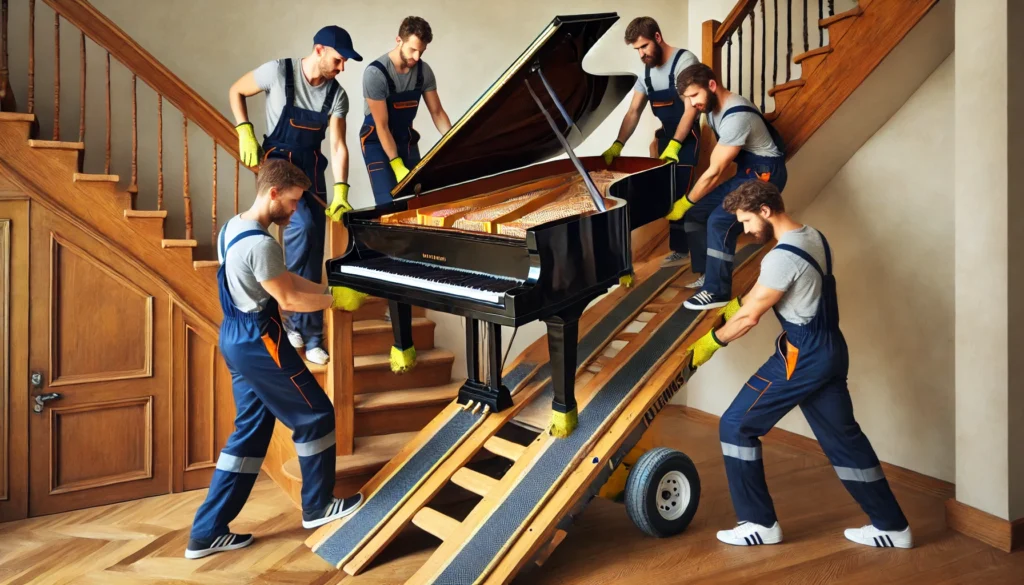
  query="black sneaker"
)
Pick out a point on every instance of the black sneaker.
point(338, 508)
point(198, 549)
point(704, 300)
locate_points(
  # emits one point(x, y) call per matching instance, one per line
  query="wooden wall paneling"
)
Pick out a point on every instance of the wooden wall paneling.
point(204, 408)
point(14, 387)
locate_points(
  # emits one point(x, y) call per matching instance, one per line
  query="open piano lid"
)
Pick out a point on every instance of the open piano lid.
point(506, 130)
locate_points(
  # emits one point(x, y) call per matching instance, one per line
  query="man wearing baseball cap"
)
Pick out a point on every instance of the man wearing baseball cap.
point(303, 101)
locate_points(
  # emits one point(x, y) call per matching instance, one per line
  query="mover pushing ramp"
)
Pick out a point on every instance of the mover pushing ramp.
point(401, 478)
point(525, 513)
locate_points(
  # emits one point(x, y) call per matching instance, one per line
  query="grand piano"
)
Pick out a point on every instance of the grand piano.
point(482, 228)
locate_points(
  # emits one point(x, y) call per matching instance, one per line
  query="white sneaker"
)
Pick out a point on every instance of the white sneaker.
point(871, 536)
point(699, 283)
point(750, 534)
point(317, 355)
point(295, 338)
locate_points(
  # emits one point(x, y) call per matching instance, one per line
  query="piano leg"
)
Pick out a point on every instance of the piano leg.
point(490, 392)
point(563, 335)
point(403, 353)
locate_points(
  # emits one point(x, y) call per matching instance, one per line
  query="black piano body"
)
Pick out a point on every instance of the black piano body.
point(508, 275)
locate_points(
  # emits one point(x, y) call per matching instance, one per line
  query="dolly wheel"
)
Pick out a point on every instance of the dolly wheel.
point(662, 492)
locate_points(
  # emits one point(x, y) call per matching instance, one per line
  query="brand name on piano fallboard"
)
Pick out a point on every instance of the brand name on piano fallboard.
point(435, 258)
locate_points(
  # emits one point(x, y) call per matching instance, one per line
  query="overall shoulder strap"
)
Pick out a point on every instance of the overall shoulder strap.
point(419, 76)
point(289, 82)
point(776, 137)
point(672, 70)
point(828, 253)
point(329, 99)
point(246, 234)
point(647, 80)
point(384, 71)
point(803, 254)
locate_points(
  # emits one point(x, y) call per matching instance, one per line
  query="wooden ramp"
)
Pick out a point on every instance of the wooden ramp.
point(632, 360)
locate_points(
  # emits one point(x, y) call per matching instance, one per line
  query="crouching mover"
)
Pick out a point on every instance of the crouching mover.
point(269, 379)
point(808, 368)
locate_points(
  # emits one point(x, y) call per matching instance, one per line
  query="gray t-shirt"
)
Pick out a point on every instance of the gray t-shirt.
point(785, 271)
point(375, 85)
point(270, 78)
point(743, 129)
point(660, 75)
point(250, 261)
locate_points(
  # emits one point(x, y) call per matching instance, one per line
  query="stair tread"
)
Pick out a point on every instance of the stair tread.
point(17, 117)
point(369, 455)
point(786, 86)
point(383, 361)
point(395, 399)
point(368, 326)
point(56, 144)
point(855, 11)
point(197, 264)
point(179, 243)
point(813, 53)
point(145, 213)
point(93, 177)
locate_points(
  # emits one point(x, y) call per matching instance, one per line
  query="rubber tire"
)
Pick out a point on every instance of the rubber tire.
point(642, 486)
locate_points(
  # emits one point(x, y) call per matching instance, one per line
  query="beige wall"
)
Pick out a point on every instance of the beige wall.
point(989, 393)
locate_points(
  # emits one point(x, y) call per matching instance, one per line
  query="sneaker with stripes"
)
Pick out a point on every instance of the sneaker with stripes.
point(338, 508)
point(871, 536)
point(699, 283)
point(198, 549)
point(704, 300)
point(750, 534)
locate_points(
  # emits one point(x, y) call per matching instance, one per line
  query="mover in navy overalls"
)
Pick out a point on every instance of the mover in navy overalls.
point(303, 100)
point(269, 380)
point(808, 368)
point(678, 138)
point(744, 137)
point(393, 86)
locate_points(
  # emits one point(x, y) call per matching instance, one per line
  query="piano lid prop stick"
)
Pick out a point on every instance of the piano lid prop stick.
point(594, 193)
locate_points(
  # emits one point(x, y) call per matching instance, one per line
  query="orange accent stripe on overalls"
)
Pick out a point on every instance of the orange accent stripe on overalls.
point(362, 139)
point(266, 155)
point(294, 125)
point(298, 388)
point(405, 105)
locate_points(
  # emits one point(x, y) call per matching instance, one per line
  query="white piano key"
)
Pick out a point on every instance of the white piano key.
point(431, 285)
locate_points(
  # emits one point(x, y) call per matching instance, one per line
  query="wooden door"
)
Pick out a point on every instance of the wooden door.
point(14, 246)
point(99, 420)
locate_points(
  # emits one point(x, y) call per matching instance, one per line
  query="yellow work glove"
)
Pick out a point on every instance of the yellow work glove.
point(679, 208)
point(399, 167)
point(704, 348)
point(671, 152)
point(339, 205)
point(346, 298)
point(248, 149)
point(612, 153)
point(729, 310)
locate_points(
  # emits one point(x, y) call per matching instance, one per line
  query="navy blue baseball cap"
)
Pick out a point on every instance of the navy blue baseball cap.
point(338, 39)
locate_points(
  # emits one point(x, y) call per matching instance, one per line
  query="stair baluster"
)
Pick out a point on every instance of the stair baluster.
point(106, 163)
point(213, 206)
point(236, 187)
point(31, 56)
point(775, 52)
point(728, 63)
point(789, 39)
point(185, 185)
point(739, 76)
point(81, 84)
point(159, 151)
point(56, 77)
point(753, 60)
point(134, 185)
point(807, 46)
point(764, 41)
point(821, 15)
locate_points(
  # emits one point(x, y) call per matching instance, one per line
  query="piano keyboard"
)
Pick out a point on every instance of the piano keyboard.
point(452, 281)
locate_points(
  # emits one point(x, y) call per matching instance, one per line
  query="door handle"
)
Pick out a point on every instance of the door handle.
point(42, 399)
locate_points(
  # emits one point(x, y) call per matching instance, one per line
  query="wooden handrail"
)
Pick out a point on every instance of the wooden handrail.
point(735, 19)
point(108, 35)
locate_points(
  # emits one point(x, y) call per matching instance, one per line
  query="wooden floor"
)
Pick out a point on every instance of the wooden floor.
point(143, 541)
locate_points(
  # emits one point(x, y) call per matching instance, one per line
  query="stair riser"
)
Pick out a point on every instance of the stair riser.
point(61, 162)
point(24, 127)
point(808, 65)
point(153, 227)
point(837, 30)
point(376, 310)
point(423, 376)
point(783, 97)
point(378, 342)
point(385, 422)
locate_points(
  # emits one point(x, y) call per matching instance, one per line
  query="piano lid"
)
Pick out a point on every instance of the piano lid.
point(506, 130)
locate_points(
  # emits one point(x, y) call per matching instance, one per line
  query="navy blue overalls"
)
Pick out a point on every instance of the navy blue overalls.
point(269, 381)
point(809, 368)
point(402, 108)
point(668, 107)
point(710, 229)
point(297, 138)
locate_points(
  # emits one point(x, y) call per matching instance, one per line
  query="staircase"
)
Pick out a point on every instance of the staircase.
point(376, 410)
